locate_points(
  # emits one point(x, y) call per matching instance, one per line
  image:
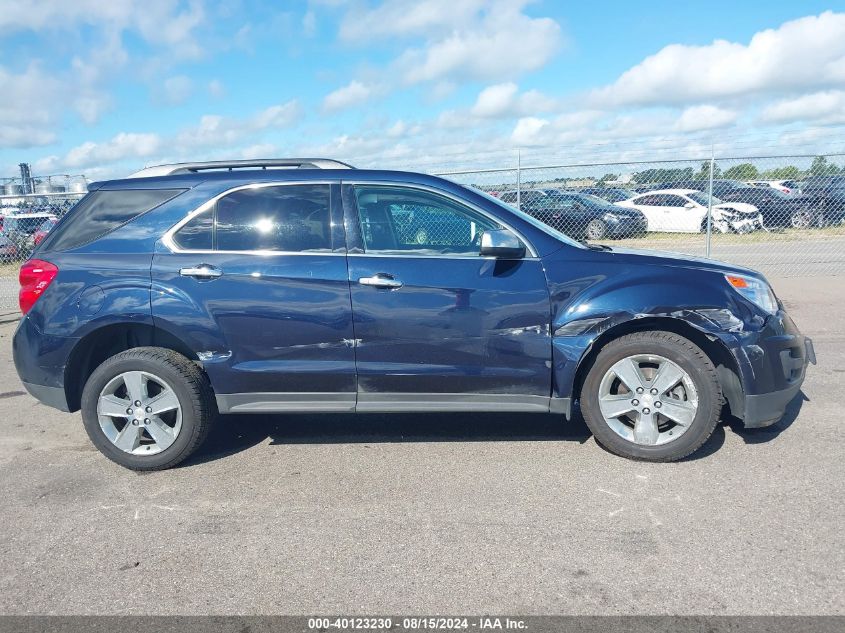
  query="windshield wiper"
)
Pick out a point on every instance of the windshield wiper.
point(595, 247)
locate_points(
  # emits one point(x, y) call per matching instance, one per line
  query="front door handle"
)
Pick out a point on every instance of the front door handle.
point(203, 271)
point(380, 281)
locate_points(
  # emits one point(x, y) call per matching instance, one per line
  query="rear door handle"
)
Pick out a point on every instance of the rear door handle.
point(203, 271)
point(380, 281)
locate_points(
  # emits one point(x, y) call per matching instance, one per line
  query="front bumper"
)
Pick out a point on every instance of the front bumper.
point(774, 371)
point(627, 226)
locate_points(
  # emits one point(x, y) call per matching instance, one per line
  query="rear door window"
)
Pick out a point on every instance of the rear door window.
point(101, 212)
point(286, 218)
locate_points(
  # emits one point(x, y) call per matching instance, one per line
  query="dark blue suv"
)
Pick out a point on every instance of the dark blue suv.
point(304, 285)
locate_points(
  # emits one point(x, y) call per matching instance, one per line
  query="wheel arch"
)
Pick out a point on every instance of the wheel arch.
point(102, 343)
point(723, 360)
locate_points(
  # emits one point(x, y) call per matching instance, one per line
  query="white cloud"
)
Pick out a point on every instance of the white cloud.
point(219, 131)
point(705, 117)
point(801, 54)
point(29, 107)
point(485, 51)
point(504, 100)
point(80, 83)
point(352, 94)
point(309, 24)
point(175, 90)
point(456, 40)
point(213, 133)
point(164, 22)
point(403, 18)
point(122, 146)
point(531, 131)
point(259, 150)
point(824, 107)
point(216, 88)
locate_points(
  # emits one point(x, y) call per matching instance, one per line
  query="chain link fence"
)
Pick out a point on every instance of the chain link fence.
point(783, 215)
point(28, 211)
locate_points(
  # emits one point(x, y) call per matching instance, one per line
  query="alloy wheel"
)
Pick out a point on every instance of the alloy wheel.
point(139, 413)
point(648, 399)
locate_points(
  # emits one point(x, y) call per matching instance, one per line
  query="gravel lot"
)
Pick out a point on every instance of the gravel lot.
point(433, 513)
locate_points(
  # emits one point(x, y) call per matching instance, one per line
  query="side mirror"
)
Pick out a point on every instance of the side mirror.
point(689, 205)
point(501, 243)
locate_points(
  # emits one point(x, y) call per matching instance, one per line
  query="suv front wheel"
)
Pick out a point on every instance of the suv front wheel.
point(651, 396)
point(147, 408)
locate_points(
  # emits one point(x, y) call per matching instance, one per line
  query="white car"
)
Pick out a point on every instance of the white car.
point(685, 211)
point(786, 186)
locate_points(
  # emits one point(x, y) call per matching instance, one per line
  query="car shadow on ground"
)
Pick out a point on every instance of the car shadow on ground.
point(768, 433)
point(235, 433)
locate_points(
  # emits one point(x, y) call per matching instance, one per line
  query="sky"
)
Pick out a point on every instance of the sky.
point(105, 88)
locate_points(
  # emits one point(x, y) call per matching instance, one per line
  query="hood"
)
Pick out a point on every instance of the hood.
point(741, 207)
point(638, 256)
point(621, 211)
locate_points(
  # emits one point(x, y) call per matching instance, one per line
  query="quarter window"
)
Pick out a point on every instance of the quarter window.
point(101, 212)
point(400, 220)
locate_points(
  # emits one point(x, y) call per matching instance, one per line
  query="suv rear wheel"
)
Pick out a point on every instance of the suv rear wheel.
point(652, 396)
point(147, 408)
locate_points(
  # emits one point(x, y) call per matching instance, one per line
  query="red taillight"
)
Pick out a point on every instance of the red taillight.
point(34, 277)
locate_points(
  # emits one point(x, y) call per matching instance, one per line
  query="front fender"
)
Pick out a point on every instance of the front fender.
point(610, 300)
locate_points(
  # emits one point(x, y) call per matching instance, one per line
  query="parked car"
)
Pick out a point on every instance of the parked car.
point(685, 211)
point(610, 194)
point(720, 185)
point(776, 207)
point(582, 216)
point(18, 228)
point(826, 196)
point(42, 230)
point(8, 250)
point(528, 198)
point(190, 290)
point(784, 186)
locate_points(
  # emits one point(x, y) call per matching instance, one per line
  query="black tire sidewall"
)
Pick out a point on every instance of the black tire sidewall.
point(709, 400)
point(180, 385)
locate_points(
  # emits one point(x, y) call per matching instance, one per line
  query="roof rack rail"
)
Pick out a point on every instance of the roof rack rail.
point(222, 165)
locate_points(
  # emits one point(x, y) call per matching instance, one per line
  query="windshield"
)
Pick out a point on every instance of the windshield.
point(701, 198)
point(527, 218)
point(594, 200)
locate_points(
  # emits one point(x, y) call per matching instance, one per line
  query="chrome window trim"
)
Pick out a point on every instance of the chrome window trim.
point(173, 247)
point(465, 203)
point(168, 241)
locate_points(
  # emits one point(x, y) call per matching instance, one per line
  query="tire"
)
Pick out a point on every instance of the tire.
point(801, 219)
point(699, 387)
point(187, 424)
point(596, 230)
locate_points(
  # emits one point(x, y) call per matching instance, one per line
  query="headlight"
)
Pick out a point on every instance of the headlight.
point(611, 217)
point(756, 291)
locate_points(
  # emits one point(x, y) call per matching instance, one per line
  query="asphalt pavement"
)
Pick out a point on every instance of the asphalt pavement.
point(376, 514)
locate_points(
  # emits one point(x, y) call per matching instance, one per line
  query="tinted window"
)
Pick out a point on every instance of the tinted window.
point(648, 201)
point(395, 219)
point(197, 234)
point(282, 218)
point(101, 212)
point(702, 199)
